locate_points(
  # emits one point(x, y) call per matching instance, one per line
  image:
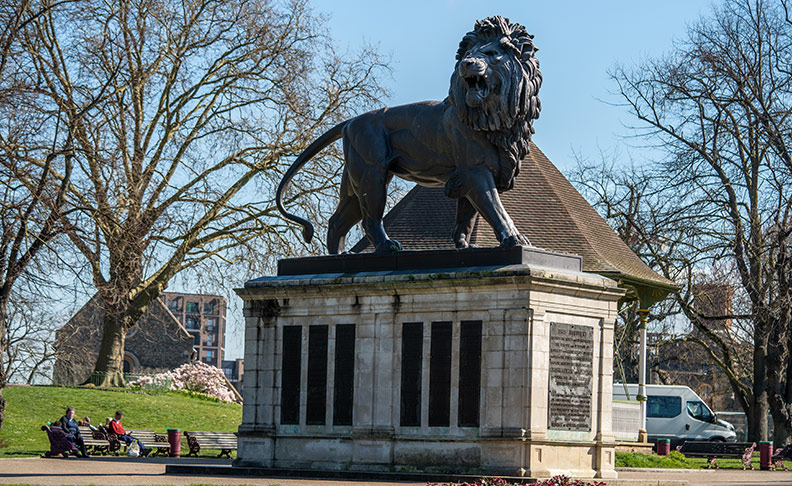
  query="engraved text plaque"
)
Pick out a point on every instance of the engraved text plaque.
point(571, 364)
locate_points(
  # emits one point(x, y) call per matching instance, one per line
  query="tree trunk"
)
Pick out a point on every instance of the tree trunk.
point(2, 408)
point(757, 422)
point(757, 417)
point(109, 368)
point(4, 295)
point(780, 434)
point(779, 372)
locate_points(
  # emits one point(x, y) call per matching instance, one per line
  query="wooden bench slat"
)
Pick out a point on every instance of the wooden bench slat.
point(223, 441)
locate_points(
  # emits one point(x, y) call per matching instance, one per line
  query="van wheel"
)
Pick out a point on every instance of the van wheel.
point(717, 439)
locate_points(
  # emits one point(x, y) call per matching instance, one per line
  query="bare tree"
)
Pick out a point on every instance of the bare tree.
point(31, 195)
point(201, 105)
point(628, 199)
point(677, 239)
point(30, 352)
point(719, 105)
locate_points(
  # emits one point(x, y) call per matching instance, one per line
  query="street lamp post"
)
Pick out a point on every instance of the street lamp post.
point(643, 315)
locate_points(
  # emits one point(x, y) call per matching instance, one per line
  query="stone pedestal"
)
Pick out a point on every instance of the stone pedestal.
point(526, 391)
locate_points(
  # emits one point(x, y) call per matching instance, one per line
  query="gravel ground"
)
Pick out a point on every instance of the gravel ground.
point(121, 471)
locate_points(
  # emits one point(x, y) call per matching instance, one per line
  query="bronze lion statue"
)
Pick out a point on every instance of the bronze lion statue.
point(471, 143)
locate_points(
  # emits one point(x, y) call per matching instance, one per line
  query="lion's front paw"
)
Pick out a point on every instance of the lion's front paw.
point(515, 240)
point(461, 243)
point(388, 246)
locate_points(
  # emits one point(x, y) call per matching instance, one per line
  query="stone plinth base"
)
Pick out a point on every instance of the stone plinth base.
point(473, 456)
point(503, 368)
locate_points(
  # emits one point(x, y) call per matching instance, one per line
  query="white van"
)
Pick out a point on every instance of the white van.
point(677, 413)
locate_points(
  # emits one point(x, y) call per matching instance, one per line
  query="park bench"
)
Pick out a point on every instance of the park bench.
point(96, 443)
point(59, 443)
point(224, 441)
point(712, 451)
point(158, 443)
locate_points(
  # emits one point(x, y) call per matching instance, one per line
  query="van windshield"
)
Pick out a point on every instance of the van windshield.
point(698, 410)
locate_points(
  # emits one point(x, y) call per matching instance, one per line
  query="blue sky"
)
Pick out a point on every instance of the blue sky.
point(578, 42)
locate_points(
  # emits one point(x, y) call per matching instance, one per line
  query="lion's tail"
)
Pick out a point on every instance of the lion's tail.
point(323, 141)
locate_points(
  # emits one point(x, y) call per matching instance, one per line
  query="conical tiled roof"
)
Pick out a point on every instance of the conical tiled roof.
point(545, 207)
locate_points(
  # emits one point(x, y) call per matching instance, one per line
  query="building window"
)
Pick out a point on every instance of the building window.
point(411, 370)
point(469, 373)
point(210, 307)
point(291, 356)
point(344, 375)
point(192, 323)
point(192, 307)
point(209, 340)
point(196, 339)
point(440, 375)
point(175, 304)
point(211, 324)
point(210, 354)
point(316, 404)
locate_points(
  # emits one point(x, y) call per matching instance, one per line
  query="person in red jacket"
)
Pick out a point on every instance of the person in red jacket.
point(118, 430)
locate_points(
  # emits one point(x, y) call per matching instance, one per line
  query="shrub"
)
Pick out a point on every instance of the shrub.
point(197, 377)
point(554, 481)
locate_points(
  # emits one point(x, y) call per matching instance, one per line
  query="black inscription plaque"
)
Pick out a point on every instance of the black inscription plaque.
point(571, 364)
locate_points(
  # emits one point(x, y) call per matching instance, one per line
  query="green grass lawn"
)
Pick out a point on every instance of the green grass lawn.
point(29, 407)
point(676, 460)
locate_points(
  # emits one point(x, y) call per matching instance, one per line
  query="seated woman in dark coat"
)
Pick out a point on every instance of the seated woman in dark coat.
point(69, 426)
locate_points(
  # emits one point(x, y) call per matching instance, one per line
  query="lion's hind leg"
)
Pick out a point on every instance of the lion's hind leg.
point(465, 220)
point(346, 215)
point(367, 153)
point(372, 204)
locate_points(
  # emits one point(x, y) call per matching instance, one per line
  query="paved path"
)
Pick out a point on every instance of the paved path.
point(124, 472)
point(121, 471)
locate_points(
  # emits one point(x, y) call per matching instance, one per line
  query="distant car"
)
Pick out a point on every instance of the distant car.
point(675, 412)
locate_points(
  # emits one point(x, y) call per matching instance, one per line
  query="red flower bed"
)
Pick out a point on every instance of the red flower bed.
point(554, 481)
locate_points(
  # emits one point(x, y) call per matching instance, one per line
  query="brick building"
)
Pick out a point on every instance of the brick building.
point(204, 317)
point(715, 300)
point(176, 328)
point(234, 369)
point(158, 343)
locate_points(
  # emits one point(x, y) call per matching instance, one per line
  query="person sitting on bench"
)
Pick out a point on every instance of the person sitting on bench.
point(72, 431)
point(118, 430)
point(86, 422)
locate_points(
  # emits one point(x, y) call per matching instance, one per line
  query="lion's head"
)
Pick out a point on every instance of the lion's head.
point(495, 87)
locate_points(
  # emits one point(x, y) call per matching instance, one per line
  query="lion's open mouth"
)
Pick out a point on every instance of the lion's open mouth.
point(477, 89)
point(478, 83)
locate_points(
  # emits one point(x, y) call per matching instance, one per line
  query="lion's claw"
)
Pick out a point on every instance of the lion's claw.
point(515, 240)
point(388, 246)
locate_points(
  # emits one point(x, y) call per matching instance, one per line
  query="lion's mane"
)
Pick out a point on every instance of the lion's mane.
point(506, 121)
